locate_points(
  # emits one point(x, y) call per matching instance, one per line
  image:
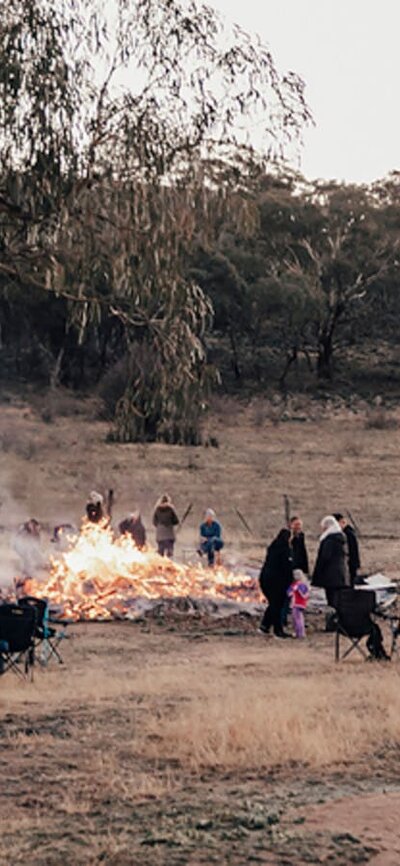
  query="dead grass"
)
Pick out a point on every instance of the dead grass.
point(140, 720)
point(331, 464)
point(314, 722)
point(145, 723)
point(380, 418)
point(257, 705)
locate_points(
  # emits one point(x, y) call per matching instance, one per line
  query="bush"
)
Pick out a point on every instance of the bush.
point(378, 418)
point(111, 388)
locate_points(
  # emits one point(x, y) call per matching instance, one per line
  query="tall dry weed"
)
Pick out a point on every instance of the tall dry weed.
point(314, 721)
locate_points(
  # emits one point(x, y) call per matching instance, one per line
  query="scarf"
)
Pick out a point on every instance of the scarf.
point(330, 526)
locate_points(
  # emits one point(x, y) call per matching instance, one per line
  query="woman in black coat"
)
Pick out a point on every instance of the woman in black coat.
point(353, 552)
point(330, 567)
point(275, 579)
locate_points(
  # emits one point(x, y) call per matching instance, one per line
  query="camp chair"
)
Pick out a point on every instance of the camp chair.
point(47, 637)
point(393, 621)
point(353, 619)
point(17, 646)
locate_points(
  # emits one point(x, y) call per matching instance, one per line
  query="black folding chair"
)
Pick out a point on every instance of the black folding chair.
point(17, 640)
point(393, 621)
point(353, 620)
point(47, 637)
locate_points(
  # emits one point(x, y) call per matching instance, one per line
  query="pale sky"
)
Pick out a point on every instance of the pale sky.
point(348, 52)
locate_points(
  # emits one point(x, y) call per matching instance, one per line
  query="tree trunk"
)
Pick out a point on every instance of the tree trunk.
point(291, 357)
point(325, 357)
point(235, 356)
point(55, 373)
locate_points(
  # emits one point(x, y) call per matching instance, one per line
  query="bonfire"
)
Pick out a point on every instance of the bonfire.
point(101, 577)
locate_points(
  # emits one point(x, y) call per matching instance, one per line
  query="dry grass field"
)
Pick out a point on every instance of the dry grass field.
point(186, 740)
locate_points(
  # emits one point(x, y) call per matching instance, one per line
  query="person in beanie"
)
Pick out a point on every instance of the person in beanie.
point(165, 519)
point(94, 507)
point(330, 567)
point(353, 553)
point(275, 578)
point(299, 594)
point(210, 537)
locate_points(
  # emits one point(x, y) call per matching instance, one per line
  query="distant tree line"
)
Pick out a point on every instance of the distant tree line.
point(318, 273)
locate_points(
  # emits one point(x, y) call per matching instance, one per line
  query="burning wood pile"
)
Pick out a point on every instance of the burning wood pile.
point(101, 577)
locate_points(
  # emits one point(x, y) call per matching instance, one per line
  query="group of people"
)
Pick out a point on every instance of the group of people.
point(165, 521)
point(284, 577)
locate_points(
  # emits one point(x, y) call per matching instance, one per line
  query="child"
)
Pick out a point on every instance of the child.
point(299, 593)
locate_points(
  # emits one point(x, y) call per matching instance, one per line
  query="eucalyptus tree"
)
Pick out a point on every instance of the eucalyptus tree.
point(124, 137)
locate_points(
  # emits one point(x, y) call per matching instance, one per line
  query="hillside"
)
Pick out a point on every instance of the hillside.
point(324, 458)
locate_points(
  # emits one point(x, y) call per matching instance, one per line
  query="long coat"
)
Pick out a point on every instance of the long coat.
point(330, 567)
point(300, 558)
point(353, 554)
point(277, 571)
point(135, 528)
point(165, 519)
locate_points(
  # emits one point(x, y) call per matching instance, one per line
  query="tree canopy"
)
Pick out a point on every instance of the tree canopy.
point(123, 137)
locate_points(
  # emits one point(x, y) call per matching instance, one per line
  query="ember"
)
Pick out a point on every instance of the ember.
point(101, 577)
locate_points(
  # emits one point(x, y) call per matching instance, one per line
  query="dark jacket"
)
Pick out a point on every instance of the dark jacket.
point(94, 512)
point(330, 567)
point(165, 519)
point(353, 554)
point(210, 531)
point(134, 528)
point(300, 558)
point(277, 571)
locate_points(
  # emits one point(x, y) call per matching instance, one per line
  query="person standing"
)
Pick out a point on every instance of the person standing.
point(299, 593)
point(330, 567)
point(275, 578)
point(133, 526)
point(94, 507)
point(211, 537)
point(353, 552)
point(165, 519)
point(300, 556)
point(27, 544)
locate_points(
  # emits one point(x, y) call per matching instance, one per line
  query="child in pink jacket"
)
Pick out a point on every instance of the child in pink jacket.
point(299, 593)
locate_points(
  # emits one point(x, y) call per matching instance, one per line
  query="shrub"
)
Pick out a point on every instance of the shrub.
point(379, 418)
point(111, 388)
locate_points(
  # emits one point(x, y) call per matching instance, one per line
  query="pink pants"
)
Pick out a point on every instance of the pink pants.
point(298, 621)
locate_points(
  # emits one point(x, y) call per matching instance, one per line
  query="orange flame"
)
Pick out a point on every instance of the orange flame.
point(100, 577)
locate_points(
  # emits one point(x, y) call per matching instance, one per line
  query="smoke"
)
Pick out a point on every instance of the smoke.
point(19, 555)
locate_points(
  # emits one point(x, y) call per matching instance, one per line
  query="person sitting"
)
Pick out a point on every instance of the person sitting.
point(94, 507)
point(165, 519)
point(133, 526)
point(211, 542)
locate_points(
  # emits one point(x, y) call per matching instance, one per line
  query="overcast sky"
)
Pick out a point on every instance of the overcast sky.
point(348, 52)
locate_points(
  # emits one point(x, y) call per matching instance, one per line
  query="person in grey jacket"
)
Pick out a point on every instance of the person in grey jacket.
point(330, 567)
point(165, 519)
